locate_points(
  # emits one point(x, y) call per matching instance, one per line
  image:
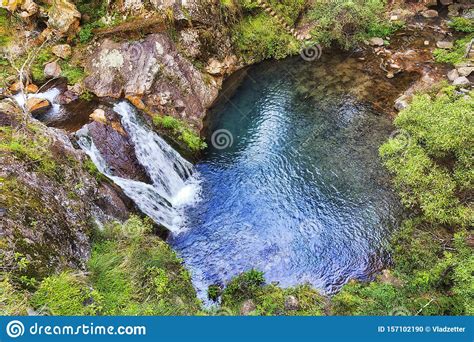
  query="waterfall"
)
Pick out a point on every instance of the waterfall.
point(50, 95)
point(173, 185)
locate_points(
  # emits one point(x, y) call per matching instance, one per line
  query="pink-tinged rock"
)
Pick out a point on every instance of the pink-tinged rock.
point(430, 14)
point(52, 70)
point(461, 81)
point(452, 75)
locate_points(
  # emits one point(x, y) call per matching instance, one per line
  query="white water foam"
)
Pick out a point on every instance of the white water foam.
point(173, 184)
point(50, 95)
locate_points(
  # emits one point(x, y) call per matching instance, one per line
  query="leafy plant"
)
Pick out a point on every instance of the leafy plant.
point(462, 24)
point(456, 55)
point(181, 131)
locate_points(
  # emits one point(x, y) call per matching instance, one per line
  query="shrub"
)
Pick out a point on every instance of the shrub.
point(347, 22)
point(243, 286)
point(180, 131)
point(270, 299)
point(13, 302)
point(441, 287)
point(456, 55)
point(214, 292)
point(260, 37)
point(433, 167)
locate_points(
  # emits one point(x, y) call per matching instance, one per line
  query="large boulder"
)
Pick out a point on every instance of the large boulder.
point(49, 200)
point(37, 106)
point(64, 17)
point(154, 71)
point(115, 146)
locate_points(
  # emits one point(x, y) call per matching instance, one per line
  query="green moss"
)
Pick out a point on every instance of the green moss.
point(90, 167)
point(6, 71)
point(456, 55)
point(73, 73)
point(31, 147)
point(86, 95)
point(66, 294)
point(37, 67)
point(5, 27)
point(86, 33)
point(180, 131)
